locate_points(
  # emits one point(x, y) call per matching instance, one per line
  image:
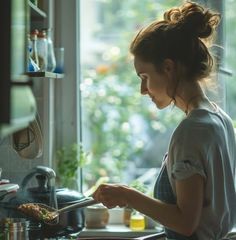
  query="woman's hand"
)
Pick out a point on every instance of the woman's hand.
point(111, 195)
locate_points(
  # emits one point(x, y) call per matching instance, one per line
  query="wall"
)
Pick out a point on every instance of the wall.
point(57, 99)
point(14, 167)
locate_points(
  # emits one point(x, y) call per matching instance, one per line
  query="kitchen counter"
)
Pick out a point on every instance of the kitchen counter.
point(118, 232)
point(114, 232)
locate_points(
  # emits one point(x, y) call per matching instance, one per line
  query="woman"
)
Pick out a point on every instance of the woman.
point(194, 193)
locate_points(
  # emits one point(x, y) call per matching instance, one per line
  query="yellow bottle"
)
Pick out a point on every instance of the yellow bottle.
point(137, 221)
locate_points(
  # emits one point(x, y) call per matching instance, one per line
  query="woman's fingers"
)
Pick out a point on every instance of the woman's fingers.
point(110, 195)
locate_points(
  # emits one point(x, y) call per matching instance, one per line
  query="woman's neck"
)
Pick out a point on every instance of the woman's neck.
point(191, 97)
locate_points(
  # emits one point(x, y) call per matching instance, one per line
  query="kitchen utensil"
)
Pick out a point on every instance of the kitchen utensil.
point(51, 214)
point(28, 142)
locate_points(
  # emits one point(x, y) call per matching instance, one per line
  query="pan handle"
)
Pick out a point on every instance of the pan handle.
point(84, 203)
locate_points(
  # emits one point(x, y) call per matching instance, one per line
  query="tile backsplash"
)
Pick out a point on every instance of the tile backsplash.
point(13, 166)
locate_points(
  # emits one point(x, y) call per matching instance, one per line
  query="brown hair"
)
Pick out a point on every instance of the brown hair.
point(181, 36)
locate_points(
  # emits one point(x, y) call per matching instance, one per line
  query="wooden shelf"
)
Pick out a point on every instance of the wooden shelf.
point(35, 12)
point(45, 75)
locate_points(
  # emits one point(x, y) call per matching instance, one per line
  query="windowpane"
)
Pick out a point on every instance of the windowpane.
point(230, 57)
point(124, 130)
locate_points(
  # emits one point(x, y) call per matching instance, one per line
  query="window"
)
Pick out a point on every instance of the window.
point(230, 58)
point(125, 132)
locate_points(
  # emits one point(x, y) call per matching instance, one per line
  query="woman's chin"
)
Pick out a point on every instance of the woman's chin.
point(161, 106)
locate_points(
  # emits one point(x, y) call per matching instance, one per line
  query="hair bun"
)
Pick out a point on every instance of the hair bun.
point(193, 18)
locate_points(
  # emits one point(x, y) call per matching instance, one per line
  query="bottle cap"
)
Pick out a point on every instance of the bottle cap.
point(42, 34)
point(34, 32)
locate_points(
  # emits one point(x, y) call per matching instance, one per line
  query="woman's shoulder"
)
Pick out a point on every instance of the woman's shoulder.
point(197, 120)
point(203, 123)
point(198, 123)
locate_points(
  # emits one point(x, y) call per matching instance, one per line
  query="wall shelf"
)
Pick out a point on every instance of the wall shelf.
point(35, 12)
point(44, 75)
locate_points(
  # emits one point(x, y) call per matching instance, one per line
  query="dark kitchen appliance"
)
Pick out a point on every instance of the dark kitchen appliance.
point(45, 192)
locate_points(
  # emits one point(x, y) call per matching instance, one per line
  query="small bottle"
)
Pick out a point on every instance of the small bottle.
point(34, 52)
point(59, 54)
point(42, 48)
point(31, 65)
point(29, 45)
point(137, 221)
point(51, 60)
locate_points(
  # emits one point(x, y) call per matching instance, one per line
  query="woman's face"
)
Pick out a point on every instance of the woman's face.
point(153, 83)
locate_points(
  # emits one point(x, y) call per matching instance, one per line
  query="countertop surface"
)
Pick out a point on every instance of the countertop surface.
point(116, 232)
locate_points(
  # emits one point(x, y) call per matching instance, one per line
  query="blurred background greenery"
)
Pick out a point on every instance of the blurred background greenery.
point(124, 131)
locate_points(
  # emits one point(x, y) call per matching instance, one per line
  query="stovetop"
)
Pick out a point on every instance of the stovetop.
point(40, 234)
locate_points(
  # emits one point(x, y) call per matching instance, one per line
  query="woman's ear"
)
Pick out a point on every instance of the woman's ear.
point(168, 67)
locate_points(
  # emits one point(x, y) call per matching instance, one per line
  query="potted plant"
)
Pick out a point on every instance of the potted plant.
point(69, 160)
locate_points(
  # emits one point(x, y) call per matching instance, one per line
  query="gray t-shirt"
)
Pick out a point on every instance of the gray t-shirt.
point(204, 143)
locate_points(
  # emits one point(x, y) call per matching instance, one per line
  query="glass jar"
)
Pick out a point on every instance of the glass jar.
point(14, 229)
point(137, 221)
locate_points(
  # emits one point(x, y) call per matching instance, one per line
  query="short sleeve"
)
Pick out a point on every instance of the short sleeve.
point(188, 151)
point(187, 168)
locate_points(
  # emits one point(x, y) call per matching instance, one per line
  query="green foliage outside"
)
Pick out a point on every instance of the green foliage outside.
point(138, 186)
point(121, 123)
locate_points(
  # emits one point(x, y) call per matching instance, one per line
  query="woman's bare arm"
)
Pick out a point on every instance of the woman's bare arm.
point(182, 217)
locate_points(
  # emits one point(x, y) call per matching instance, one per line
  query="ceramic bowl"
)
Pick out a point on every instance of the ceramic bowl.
point(96, 216)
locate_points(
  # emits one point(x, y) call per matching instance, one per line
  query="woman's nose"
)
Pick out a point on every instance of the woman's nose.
point(144, 89)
